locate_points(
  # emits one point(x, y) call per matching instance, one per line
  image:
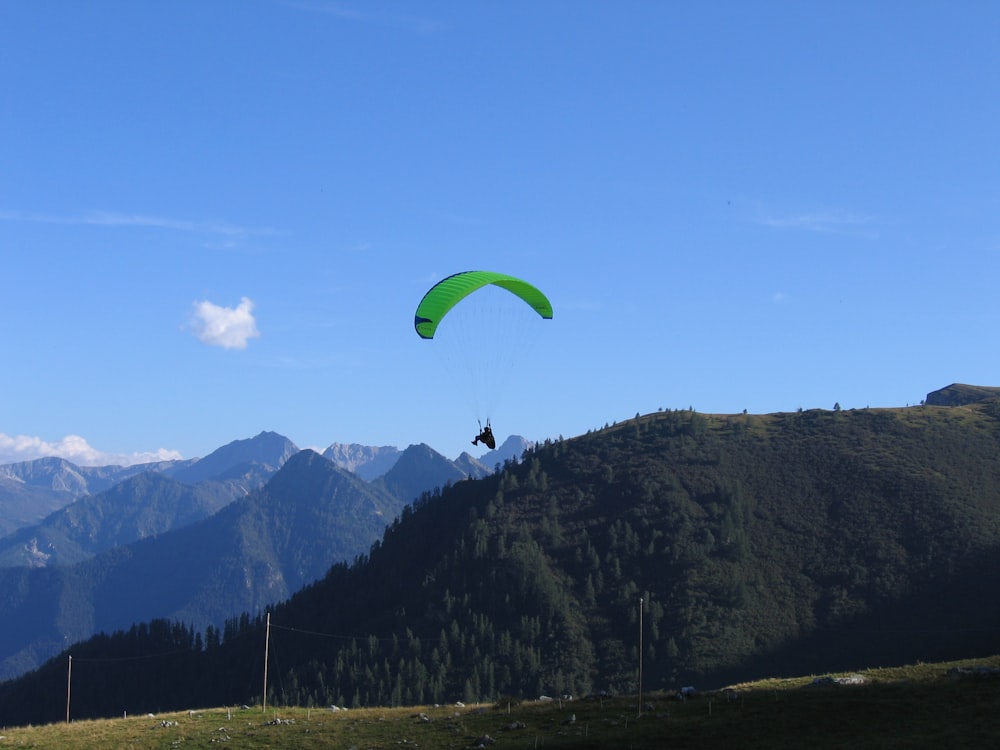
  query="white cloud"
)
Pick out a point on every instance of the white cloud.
point(112, 219)
point(17, 448)
point(228, 327)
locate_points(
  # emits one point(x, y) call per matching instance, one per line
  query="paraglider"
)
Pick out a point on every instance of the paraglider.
point(465, 338)
point(485, 436)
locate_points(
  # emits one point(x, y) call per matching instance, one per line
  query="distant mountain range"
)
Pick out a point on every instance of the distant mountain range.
point(105, 507)
point(141, 506)
point(367, 461)
point(30, 490)
point(244, 527)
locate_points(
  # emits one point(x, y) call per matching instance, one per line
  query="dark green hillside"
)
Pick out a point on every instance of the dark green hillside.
point(760, 545)
point(960, 394)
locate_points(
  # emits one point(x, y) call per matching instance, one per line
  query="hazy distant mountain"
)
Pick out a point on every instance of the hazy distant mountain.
point(139, 507)
point(370, 462)
point(135, 504)
point(511, 449)
point(471, 466)
point(419, 469)
point(31, 490)
point(61, 475)
point(268, 449)
point(255, 551)
point(367, 461)
point(23, 505)
point(56, 474)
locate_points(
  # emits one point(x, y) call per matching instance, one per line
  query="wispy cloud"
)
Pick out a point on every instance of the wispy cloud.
point(833, 221)
point(109, 219)
point(351, 13)
point(17, 448)
point(228, 327)
point(118, 219)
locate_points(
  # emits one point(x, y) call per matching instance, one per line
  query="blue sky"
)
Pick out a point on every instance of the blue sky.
point(217, 218)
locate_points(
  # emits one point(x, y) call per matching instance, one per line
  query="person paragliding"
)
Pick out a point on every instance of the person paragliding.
point(441, 298)
point(485, 436)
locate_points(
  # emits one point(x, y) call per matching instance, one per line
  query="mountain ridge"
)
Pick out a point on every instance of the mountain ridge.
point(254, 551)
point(32, 490)
point(113, 506)
point(960, 394)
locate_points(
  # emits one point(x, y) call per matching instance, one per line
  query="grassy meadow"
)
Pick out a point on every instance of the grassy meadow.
point(904, 707)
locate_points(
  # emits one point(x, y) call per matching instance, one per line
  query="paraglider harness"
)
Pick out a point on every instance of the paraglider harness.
point(485, 436)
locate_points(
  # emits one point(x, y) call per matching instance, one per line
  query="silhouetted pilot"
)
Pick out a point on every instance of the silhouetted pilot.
point(485, 436)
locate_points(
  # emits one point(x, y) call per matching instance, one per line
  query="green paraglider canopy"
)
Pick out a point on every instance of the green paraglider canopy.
point(450, 291)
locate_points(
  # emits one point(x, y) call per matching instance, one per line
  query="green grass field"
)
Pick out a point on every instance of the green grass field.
point(905, 707)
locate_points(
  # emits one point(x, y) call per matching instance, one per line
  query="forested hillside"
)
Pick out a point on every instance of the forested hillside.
point(729, 546)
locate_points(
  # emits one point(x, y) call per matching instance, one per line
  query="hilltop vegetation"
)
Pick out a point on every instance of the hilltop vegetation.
point(758, 545)
point(920, 706)
point(961, 394)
